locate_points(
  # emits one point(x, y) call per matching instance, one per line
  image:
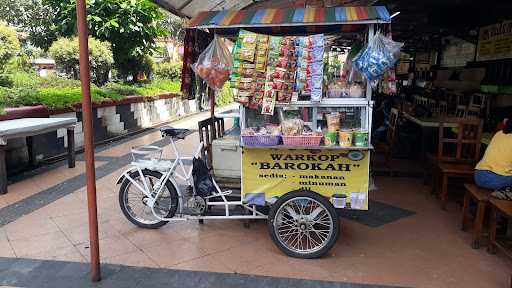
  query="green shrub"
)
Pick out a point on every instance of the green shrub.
point(56, 92)
point(5, 80)
point(66, 53)
point(153, 88)
point(9, 45)
point(224, 96)
point(168, 70)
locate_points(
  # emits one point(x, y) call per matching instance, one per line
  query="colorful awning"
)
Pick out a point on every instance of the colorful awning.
point(290, 17)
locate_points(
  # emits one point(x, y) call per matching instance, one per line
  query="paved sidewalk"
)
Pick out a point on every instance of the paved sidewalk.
point(59, 274)
point(404, 240)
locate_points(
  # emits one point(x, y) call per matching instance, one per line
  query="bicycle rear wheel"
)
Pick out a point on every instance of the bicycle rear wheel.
point(134, 203)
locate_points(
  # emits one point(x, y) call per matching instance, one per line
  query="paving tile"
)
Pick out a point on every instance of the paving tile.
point(168, 255)
point(65, 206)
point(80, 234)
point(70, 254)
point(136, 258)
point(5, 246)
point(29, 227)
point(207, 264)
point(21, 190)
point(109, 247)
point(245, 258)
point(145, 238)
point(40, 244)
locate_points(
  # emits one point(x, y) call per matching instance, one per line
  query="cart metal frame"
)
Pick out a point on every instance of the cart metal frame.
point(169, 170)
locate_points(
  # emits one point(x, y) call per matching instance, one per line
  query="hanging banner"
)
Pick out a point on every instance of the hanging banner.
point(270, 173)
point(495, 42)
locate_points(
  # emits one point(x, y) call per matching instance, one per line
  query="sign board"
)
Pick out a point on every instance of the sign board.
point(495, 42)
point(270, 173)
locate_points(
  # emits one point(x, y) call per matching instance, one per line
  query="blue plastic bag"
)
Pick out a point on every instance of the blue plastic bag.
point(380, 55)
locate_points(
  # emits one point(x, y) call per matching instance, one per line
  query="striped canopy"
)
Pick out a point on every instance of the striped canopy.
point(290, 17)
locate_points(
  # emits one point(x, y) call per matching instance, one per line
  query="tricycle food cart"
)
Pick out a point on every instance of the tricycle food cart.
point(292, 163)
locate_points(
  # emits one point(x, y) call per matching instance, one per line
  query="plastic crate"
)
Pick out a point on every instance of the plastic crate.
point(302, 140)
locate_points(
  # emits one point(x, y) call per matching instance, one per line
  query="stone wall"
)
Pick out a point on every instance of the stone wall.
point(109, 121)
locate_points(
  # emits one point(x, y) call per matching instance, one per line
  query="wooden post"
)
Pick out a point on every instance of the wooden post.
point(3, 170)
point(90, 174)
point(71, 147)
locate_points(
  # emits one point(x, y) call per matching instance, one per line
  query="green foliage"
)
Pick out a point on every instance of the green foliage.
point(168, 70)
point(224, 96)
point(66, 53)
point(31, 17)
point(9, 45)
point(153, 88)
point(131, 26)
point(175, 25)
point(58, 92)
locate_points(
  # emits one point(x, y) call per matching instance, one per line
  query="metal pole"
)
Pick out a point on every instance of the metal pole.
point(88, 139)
point(211, 94)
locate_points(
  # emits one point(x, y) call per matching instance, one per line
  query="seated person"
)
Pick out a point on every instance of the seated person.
point(494, 171)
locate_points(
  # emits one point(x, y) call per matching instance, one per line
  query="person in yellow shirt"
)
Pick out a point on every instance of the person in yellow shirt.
point(494, 171)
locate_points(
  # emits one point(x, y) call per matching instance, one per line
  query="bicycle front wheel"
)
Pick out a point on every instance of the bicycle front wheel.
point(134, 203)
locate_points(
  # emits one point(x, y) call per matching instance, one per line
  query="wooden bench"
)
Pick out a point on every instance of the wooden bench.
point(503, 207)
point(481, 197)
point(28, 127)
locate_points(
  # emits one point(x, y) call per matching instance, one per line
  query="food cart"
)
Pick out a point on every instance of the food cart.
point(305, 136)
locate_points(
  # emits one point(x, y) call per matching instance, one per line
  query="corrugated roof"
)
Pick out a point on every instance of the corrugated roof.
point(289, 17)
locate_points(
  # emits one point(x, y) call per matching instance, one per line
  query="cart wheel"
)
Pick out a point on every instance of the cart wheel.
point(303, 224)
point(133, 202)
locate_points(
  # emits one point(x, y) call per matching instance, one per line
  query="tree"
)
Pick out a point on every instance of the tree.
point(66, 53)
point(31, 17)
point(175, 25)
point(9, 45)
point(131, 26)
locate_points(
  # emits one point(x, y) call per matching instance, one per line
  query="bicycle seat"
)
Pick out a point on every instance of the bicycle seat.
point(174, 132)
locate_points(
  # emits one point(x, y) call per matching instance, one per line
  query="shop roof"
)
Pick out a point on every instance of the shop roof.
point(290, 17)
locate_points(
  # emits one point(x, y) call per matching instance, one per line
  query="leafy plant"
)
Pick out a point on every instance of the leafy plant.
point(224, 96)
point(131, 26)
point(9, 45)
point(56, 92)
point(65, 51)
point(168, 70)
point(31, 17)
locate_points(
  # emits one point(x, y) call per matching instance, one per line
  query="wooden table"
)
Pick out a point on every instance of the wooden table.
point(28, 127)
point(428, 126)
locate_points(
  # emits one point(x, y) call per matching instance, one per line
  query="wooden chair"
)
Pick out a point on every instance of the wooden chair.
point(467, 153)
point(209, 130)
point(387, 147)
point(473, 112)
point(443, 108)
point(481, 197)
point(478, 101)
point(461, 111)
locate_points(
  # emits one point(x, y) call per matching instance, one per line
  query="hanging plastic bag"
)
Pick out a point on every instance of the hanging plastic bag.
point(214, 64)
point(380, 55)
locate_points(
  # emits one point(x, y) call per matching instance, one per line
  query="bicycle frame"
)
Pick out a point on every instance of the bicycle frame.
point(169, 170)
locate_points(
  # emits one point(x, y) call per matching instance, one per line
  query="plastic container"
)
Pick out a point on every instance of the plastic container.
point(303, 140)
point(360, 138)
point(330, 138)
point(339, 200)
point(261, 140)
point(345, 137)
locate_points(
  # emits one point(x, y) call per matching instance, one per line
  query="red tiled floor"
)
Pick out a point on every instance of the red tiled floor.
point(426, 249)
